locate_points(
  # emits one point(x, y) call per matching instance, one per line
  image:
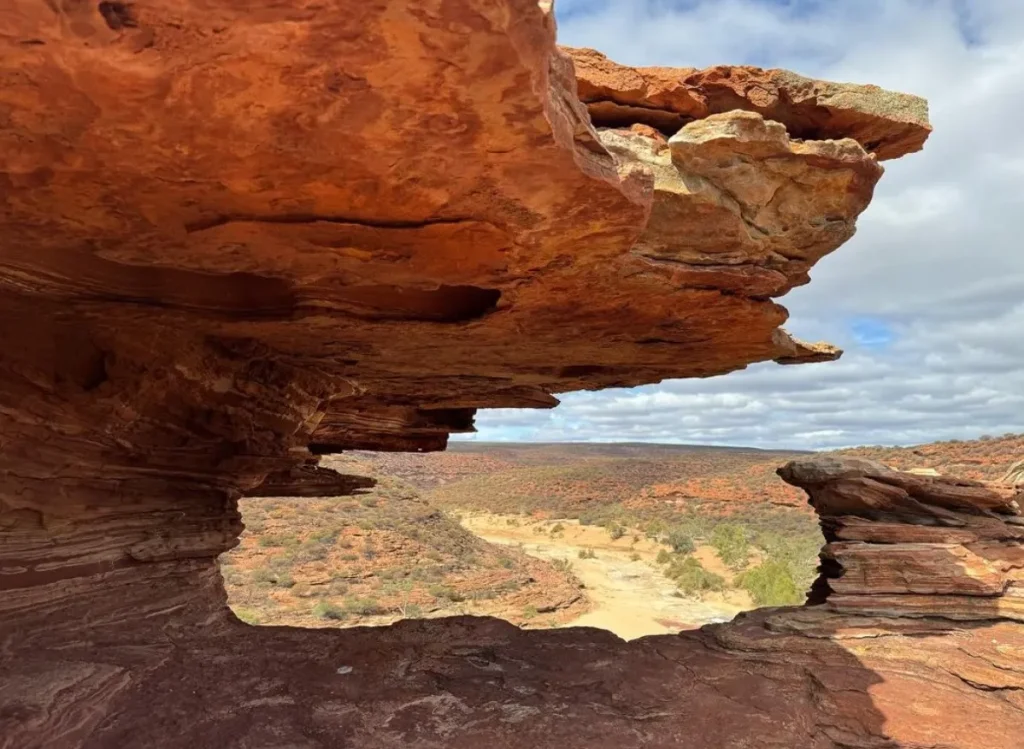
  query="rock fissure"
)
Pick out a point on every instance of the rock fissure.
point(308, 218)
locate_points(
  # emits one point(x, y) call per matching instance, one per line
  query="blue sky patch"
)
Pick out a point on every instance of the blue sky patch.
point(872, 332)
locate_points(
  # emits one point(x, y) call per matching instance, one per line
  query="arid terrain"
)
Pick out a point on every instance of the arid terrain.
point(381, 556)
point(985, 459)
point(637, 539)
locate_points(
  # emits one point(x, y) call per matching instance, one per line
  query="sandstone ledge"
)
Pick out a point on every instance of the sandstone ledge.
point(887, 124)
point(782, 679)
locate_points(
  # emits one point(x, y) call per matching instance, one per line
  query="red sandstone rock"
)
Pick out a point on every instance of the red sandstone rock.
point(885, 124)
point(901, 544)
point(310, 480)
point(237, 234)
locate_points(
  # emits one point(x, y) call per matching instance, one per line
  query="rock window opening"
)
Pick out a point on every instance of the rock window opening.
point(637, 541)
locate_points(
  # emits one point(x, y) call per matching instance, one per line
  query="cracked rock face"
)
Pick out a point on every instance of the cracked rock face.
point(238, 237)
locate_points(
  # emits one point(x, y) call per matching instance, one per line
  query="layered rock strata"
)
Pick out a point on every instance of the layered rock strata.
point(239, 236)
point(901, 544)
point(887, 125)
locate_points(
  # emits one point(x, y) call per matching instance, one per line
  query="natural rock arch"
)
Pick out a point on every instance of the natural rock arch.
point(236, 237)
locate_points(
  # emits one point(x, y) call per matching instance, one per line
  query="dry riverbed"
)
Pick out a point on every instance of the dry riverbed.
point(629, 595)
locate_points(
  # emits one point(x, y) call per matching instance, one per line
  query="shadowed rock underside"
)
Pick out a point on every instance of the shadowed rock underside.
point(238, 236)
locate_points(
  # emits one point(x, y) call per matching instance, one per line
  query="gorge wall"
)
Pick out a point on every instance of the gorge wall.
point(241, 235)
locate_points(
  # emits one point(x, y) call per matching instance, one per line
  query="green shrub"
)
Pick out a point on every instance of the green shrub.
point(270, 576)
point(562, 565)
point(506, 562)
point(327, 610)
point(364, 607)
point(446, 592)
point(798, 551)
point(680, 542)
point(771, 583)
point(413, 611)
point(587, 554)
point(282, 561)
point(249, 616)
point(368, 501)
point(255, 525)
point(691, 578)
point(654, 529)
point(634, 557)
point(732, 544)
point(530, 612)
point(312, 551)
point(272, 540)
point(663, 557)
point(328, 536)
point(616, 531)
point(557, 528)
point(231, 576)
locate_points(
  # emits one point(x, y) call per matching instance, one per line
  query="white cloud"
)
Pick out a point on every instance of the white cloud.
point(937, 259)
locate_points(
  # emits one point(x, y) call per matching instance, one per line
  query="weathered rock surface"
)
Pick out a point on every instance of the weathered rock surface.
point(237, 236)
point(310, 480)
point(903, 544)
point(784, 679)
point(885, 124)
point(740, 208)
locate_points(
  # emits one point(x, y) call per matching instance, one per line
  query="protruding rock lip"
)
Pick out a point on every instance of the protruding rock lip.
point(944, 492)
point(310, 480)
point(885, 123)
point(809, 353)
point(795, 351)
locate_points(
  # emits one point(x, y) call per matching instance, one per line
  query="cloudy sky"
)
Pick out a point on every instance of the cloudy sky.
point(927, 299)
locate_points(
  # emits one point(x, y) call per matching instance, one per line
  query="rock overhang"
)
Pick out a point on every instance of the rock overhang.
point(418, 232)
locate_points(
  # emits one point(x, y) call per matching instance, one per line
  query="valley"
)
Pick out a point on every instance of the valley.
point(628, 591)
point(634, 539)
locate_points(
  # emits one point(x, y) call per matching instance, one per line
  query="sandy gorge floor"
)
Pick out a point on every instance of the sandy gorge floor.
point(629, 596)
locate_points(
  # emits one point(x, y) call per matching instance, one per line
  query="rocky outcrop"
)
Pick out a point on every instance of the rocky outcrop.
point(887, 125)
point(740, 208)
point(310, 480)
point(1015, 474)
point(237, 237)
point(903, 544)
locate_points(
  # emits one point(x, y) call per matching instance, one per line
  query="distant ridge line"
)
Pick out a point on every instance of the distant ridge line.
point(681, 447)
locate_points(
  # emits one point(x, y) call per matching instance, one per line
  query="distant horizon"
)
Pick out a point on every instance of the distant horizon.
point(461, 439)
